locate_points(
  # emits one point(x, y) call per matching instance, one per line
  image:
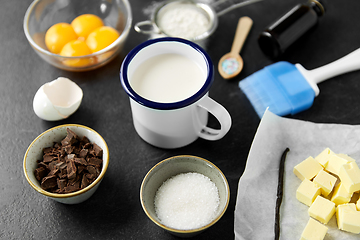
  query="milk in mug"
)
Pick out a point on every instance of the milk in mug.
point(167, 78)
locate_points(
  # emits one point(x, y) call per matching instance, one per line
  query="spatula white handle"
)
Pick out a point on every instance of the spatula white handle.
point(348, 63)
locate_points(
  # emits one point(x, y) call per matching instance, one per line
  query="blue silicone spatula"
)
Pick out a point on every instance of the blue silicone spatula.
point(286, 88)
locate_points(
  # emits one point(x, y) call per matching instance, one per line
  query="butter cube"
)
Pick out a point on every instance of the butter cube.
point(348, 218)
point(339, 211)
point(350, 177)
point(346, 157)
point(340, 195)
point(325, 181)
point(307, 192)
point(314, 231)
point(307, 169)
point(323, 157)
point(335, 162)
point(322, 209)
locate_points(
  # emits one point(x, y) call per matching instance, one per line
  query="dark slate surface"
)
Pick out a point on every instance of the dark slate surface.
point(114, 211)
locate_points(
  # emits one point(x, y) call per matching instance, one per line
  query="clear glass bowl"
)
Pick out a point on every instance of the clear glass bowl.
point(42, 14)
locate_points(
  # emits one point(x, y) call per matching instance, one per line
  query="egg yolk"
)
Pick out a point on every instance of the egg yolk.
point(58, 35)
point(101, 37)
point(76, 48)
point(84, 24)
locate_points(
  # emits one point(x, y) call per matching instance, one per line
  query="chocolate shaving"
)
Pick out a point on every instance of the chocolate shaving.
point(280, 193)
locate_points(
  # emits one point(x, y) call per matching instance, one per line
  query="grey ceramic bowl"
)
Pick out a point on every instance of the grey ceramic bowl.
point(176, 165)
point(47, 139)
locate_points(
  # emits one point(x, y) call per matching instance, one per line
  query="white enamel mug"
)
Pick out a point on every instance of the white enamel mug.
point(174, 124)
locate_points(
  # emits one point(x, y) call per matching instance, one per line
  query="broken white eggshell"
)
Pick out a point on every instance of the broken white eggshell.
point(57, 99)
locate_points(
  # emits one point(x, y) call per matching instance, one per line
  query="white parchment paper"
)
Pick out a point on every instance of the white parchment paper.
point(257, 189)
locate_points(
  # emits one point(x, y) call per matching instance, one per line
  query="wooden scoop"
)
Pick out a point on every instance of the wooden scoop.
point(231, 63)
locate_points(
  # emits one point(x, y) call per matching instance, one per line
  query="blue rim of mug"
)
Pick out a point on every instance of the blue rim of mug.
point(165, 106)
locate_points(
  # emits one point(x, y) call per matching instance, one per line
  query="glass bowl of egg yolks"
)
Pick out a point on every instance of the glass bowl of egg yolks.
point(77, 35)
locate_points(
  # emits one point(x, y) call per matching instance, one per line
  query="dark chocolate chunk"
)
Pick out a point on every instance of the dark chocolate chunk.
point(52, 165)
point(95, 161)
point(40, 173)
point(92, 173)
point(47, 150)
point(80, 169)
point(83, 153)
point(63, 173)
point(69, 149)
point(71, 169)
point(57, 145)
point(85, 140)
point(61, 183)
point(72, 188)
point(53, 172)
point(84, 182)
point(91, 170)
point(87, 146)
point(44, 165)
point(60, 164)
point(49, 158)
point(49, 182)
point(81, 161)
point(98, 150)
point(70, 138)
point(74, 180)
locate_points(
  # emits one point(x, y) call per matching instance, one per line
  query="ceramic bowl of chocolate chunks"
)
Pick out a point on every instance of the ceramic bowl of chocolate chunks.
point(66, 163)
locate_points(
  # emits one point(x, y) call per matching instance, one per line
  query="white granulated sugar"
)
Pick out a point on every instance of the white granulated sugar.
point(185, 21)
point(187, 201)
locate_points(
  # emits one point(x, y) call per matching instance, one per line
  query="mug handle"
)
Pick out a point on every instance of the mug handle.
point(220, 113)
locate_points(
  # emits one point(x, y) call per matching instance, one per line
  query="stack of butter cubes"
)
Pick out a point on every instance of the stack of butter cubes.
point(329, 182)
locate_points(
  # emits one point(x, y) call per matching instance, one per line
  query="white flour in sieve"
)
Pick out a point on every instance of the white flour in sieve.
point(187, 201)
point(185, 21)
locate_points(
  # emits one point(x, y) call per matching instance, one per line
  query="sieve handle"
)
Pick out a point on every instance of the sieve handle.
point(152, 28)
point(222, 6)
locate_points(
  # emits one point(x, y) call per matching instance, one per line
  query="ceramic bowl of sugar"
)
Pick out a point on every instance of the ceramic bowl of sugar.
point(184, 195)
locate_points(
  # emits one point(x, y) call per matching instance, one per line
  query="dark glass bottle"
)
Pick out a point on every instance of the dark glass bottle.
point(290, 27)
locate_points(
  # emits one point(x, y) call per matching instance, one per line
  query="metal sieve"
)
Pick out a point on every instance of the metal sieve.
point(210, 11)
